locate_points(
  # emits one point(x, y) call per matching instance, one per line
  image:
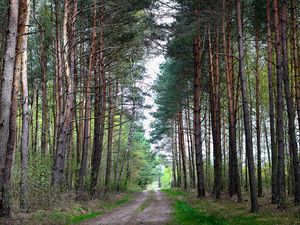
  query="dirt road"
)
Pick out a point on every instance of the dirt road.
point(149, 208)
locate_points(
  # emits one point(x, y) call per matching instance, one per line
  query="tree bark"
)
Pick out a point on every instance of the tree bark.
point(257, 109)
point(289, 103)
point(7, 82)
point(87, 105)
point(182, 148)
point(245, 99)
point(215, 115)
point(197, 107)
point(234, 177)
point(111, 116)
point(271, 107)
point(279, 127)
point(45, 121)
point(100, 105)
point(119, 139)
point(25, 117)
point(66, 121)
point(295, 54)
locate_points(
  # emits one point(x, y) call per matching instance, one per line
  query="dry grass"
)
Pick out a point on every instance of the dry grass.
point(64, 210)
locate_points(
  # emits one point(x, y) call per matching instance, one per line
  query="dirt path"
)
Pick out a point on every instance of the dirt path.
point(149, 208)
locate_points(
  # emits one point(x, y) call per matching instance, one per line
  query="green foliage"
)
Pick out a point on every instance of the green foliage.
point(171, 88)
point(166, 178)
point(144, 162)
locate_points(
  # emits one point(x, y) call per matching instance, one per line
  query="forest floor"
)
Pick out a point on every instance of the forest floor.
point(188, 210)
point(148, 208)
point(66, 211)
point(159, 207)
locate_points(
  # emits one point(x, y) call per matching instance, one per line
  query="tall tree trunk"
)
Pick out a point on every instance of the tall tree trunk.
point(295, 53)
point(207, 146)
point(182, 148)
point(101, 108)
point(279, 133)
point(234, 177)
point(245, 99)
point(66, 120)
point(128, 151)
point(35, 140)
point(271, 107)
point(197, 106)
point(110, 136)
point(193, 177)
point(279, 125)
point(215, 115)
point(257, 109)
point(25, 117)
point(87, 105)
point(45, 121)
point(116, 169)
point(5, 199)
point(174, 177)
point(7, 84)
point(188, 146)
point(289, 102)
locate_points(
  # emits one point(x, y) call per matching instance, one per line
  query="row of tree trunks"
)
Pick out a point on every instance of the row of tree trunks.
point(271, 106)
point(15, 68)
point(191, 146)
point(182, 148)
point(116, 171)
point(289, 102)
point(64, 128)
point(245, 100)
point(111, 112)
point(234, 177)
point(45, 120)
point(87, 104)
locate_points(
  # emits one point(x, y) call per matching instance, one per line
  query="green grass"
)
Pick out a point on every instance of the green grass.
point(239, 214)
point(80, 218)
point(188, 210)
point(174, 193)
point(185, 214)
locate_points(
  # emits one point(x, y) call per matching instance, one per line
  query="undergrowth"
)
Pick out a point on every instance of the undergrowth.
point(74, 213)
point(188, 210)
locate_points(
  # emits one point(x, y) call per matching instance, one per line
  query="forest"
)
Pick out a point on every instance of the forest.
point(77, 96)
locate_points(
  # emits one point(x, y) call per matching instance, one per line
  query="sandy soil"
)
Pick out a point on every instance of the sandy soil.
point(149, 208)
